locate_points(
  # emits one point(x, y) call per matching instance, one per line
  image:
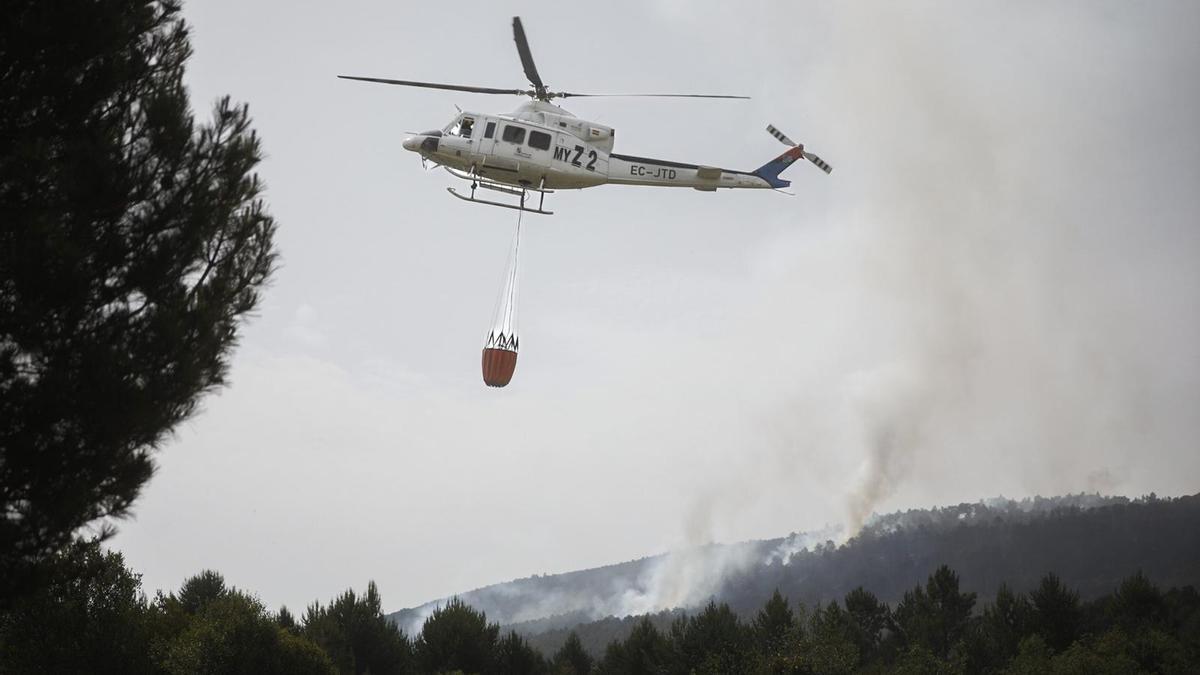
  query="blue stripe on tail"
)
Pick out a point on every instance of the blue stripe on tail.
point(771, 170)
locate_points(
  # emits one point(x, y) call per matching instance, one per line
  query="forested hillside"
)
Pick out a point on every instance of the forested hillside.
point(1091, 542)
point(1071, 585)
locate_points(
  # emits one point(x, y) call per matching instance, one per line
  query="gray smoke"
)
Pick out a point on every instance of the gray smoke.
point(990, 299)
point(1009, 294)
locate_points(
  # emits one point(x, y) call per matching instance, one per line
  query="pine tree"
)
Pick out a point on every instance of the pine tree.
point(1057, 613)
point(868, 618)
point(572, 658)
point(1138, 603)
point(357, 636)
point(199, 590)
point(772, 624)
point(457, 637)
point(644, 652)
point(714, 641)
point(133, 242)
point(514, 656)
point(937, 616)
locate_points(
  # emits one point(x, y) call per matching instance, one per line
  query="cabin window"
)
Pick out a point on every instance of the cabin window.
point(489, 130)
point(513, 134)
point(539, 140)
point(467, 125)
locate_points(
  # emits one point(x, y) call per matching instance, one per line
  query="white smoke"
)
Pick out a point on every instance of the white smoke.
point(799, 542)
point(985, 314)
point(990, 301)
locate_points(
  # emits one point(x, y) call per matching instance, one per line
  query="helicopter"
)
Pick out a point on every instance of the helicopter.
point(541, 147)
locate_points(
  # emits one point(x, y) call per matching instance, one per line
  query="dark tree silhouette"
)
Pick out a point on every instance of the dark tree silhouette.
point(285, 620)
point(772, 624)
point(937, 616)
point(868, 619)
point(1056, 612)
point(1139, 603)
point(353, 631)
point(200, 590)
point(234, 634)
point(514, 656)
point(714, 641)
point(572, 658)
point(93, 619)
point(457, 637)
point(1001, 628)
point(644, 652)
point(133, 243)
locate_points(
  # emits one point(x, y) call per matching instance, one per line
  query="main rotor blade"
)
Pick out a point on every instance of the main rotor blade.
point(526, 57)
point(567, 94)
point(436, 85)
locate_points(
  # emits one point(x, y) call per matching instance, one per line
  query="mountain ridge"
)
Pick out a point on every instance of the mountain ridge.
point(1089, 539)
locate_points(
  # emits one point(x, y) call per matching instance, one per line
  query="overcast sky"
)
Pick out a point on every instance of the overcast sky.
point(995, 292)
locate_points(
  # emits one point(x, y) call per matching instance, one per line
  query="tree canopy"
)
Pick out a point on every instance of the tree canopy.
point(134, 242)
point(106, 625)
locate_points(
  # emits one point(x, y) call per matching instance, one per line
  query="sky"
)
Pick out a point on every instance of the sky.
point(996, 292)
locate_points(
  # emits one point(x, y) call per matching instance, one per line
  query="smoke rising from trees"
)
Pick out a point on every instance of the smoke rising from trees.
point(993, 297)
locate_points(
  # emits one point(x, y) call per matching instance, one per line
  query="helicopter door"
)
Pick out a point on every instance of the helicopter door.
point(485, 137)
point(509, 151)
point(539, 146)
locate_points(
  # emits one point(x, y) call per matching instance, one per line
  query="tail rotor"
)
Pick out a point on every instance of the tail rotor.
point(782, 137)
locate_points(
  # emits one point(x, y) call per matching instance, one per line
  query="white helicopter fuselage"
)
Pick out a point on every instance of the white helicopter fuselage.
point(542, 146)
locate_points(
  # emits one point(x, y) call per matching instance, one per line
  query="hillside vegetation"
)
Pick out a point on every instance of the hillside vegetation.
point(1091, 542)
point(94, 617)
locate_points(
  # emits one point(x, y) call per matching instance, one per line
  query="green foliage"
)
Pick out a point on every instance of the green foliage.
point(356, 635)
point(229, 634)
point(714, 641)
point(869, 618)
point(644, 652)
point(571, 658)
point(94, 619)
point(1033, 657)
point(457, 637)
point(918, 659)
point(133, 243)
point(772, 625)
point(1008, 619)
point(1138, 603)
point(1056, 612)
point(937, 616)
point(90, 618)
point(286, 621)
point(1108, 654)
point(198, 591)
point(298, 655)
point(514, 656)
point(829, 644)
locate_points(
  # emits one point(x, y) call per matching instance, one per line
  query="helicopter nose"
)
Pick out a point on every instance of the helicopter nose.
point(412, 143)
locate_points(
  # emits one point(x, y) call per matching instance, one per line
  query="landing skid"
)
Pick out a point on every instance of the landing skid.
point(502, 205)
point(522, 193)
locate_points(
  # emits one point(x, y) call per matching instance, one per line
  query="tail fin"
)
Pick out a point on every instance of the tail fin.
point(771, 170)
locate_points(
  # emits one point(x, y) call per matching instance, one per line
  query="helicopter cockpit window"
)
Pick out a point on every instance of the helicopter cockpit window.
point(539, 140)
point(513, 134)
point(464, 129)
